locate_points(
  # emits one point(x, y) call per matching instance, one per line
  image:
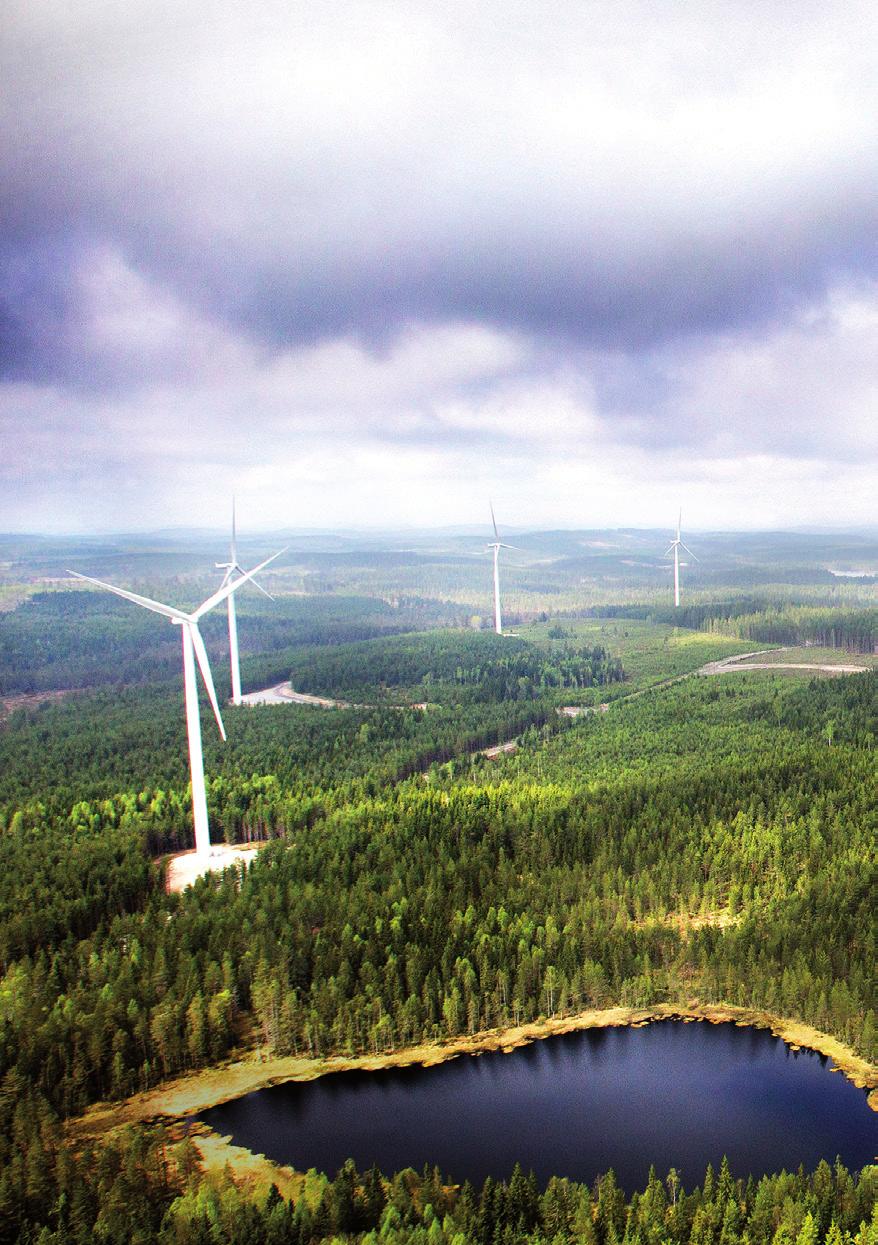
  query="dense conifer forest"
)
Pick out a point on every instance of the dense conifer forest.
point(472, 898)
point(701, 839)
point(459, 667)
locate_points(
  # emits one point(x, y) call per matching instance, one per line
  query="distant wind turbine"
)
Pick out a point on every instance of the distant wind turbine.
point(497, 545)
point(674, 547)
point(233, 568)
point(193, 648)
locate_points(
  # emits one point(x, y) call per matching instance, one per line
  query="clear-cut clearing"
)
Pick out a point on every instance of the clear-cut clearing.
point(186, 867)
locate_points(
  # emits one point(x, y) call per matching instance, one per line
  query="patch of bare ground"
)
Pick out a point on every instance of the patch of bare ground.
point(186, 867)
point(14, 594)
point(497, 750)
point(830, 662)
point(814, 654)
point(254, 1172)
point(578, 711)
point(31, 700)
point(285, 694)
point(686, 922)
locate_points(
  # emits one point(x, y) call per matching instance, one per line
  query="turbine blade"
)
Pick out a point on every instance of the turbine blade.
point(147, 602)
point(670, 549)
point(494, 521)
point(204, 667)
point(264, 591)
point(255, 582)
point(234, 534)
point(232, 587)
point(689, 551)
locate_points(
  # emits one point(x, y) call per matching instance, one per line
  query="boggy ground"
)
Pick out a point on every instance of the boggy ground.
point(176, 1100)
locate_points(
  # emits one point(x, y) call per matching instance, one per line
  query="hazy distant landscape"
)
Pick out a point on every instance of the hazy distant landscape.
point(569, 569)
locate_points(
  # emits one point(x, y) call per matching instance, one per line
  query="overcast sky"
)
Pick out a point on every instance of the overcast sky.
point(372, 263)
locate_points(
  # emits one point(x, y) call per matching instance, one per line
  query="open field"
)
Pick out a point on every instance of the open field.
point(651, 653)
point(821, 657)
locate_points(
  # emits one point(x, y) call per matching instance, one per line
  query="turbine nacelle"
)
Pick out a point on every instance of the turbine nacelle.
point(233, 568)
point(678, 544)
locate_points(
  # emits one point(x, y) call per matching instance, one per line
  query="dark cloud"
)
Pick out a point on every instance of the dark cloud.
point(575, 290)
point(374, 168)
point(368, 238)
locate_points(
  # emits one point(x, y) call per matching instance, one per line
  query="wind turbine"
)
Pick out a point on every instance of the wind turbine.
point(675, 546)
point(232, 568)
point(193, 648)
point(497, 546)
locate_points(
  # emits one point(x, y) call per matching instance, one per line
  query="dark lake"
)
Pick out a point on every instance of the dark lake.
point(672, 1094)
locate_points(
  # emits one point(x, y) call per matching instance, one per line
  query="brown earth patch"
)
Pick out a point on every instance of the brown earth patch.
point(686, 922)
point(31, 700)
point(184, 868)
point(254, 1172)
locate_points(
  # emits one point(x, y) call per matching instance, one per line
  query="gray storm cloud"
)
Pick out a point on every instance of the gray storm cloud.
point(616, 174)
point(634, 227)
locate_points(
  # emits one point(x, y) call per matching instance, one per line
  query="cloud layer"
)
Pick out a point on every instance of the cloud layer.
point(377, 260)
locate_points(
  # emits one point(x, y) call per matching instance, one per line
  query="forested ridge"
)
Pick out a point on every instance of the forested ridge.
point(402, 898)
point(456, 666)
point(97, 746)
point(767, 621)
point(62, 640)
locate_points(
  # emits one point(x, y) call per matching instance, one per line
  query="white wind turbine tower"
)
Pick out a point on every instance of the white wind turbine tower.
point(497, 545)
point(674, 547)
point(233, 568)
point(193, 648)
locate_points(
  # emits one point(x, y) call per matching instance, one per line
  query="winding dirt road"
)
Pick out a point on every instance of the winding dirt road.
point(283, 694)
point(743, 662)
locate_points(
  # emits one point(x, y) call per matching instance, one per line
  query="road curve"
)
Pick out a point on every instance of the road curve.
point(742, 662)
point(283, 694)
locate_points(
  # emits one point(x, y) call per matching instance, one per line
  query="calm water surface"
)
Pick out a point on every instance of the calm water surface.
point(672, 1094)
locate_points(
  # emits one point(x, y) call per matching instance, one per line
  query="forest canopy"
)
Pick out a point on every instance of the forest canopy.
point(701, 838)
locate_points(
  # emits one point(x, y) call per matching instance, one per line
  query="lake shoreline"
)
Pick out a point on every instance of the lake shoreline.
point(178, 1100)
point(175, 1102)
